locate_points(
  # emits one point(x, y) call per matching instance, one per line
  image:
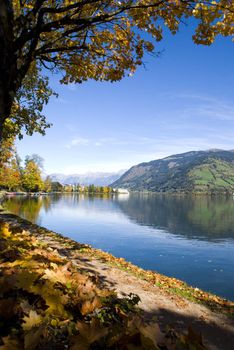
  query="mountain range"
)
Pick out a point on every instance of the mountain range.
point(197, 171)
point(97, 179)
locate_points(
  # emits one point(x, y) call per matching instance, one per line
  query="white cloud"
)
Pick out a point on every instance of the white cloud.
point(82, 141)
point(78, 141)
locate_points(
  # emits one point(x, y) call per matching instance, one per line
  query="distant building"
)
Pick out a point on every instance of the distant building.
point(121, 190)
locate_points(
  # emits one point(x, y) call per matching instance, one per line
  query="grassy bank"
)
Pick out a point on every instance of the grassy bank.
point(168, 284)
point(47, 302)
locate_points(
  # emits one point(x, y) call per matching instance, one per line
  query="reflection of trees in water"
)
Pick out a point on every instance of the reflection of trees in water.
point(205, 217)
point(215, 215)
point(76, 200)
point(28, 207)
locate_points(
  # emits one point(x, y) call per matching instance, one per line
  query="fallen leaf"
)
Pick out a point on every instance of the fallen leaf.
point(89, 306)
point(25, 279)
point(89, 333)
point(32, 320)
point(58, 275)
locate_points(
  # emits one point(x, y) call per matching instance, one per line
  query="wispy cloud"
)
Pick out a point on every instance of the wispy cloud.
point(96, 142)
point(195, 105)
point(211, 138)
point(213, 110)
point(78, 141)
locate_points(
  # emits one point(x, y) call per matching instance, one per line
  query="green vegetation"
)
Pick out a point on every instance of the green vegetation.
point(91, 189)
point(209, 172)
point(14, 177)
point(214, 175)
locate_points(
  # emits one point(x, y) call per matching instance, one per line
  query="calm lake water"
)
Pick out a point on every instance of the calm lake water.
point(185, 237)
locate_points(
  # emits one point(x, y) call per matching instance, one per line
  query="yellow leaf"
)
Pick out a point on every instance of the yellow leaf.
point(32, 320)
point(4, 231)
point(59, 275)
point(89, 306)
point(25, 279)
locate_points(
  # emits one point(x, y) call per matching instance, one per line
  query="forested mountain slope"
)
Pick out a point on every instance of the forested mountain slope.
point(197, 171)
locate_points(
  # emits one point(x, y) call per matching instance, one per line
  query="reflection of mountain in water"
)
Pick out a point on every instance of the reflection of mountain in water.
point(206, 218)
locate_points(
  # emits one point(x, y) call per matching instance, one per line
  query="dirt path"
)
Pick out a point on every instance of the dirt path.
point(217, 329)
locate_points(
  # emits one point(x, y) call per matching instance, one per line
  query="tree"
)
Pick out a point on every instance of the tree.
point(10, 170)
point(47, 184)
point(18, 162)
point(32, 181)
point(91, 189)
point(56, 187)
point(38, 160)
point(7, 162)
point(6, 151)
point(106, 190)
point(14, 176)
point(85, 39)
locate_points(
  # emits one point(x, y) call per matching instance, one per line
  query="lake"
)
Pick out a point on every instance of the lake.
point(190, 238)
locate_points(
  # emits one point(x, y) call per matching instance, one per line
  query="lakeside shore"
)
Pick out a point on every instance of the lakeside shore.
point(167, 299)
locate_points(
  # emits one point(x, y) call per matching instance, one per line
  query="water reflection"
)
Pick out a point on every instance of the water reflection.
point(28, 207)
point(205, 217)
point(191, 238)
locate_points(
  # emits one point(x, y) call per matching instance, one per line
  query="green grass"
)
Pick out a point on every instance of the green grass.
point(214, 175)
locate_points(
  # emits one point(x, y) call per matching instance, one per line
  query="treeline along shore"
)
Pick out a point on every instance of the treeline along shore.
point(28, 179)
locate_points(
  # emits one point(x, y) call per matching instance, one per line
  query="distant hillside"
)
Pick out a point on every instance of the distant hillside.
point(198, 171)
point(97, 179)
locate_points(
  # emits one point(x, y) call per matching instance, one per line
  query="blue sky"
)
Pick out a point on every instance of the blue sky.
point(181, 101)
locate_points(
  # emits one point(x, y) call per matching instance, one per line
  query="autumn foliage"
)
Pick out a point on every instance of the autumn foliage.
point(15, 177)
point(47, 302)
point(86, 39)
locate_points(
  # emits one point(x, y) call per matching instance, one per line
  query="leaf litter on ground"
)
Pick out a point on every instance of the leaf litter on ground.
point(46, 302)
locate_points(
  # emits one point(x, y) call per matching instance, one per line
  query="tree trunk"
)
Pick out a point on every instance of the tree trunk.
point(2, 116)
point(8, 66)
point(5, 107)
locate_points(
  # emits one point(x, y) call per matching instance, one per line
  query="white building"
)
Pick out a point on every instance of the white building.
point(121, 190)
